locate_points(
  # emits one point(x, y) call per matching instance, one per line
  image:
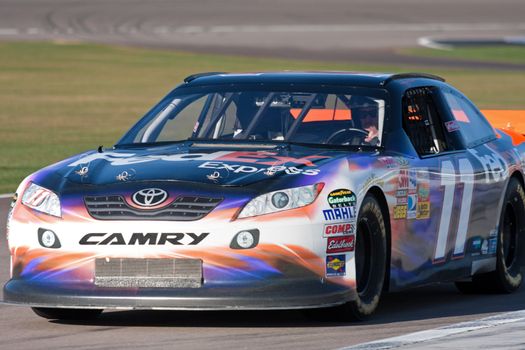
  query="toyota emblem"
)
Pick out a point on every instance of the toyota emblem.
point(149, 197)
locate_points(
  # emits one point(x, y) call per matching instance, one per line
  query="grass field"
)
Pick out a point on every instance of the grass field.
point(59, 99)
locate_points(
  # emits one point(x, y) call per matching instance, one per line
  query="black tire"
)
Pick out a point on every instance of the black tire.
point(507, 277)
point(67, 314)
point(370, 260)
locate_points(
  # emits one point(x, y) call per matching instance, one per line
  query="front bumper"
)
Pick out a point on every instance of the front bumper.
point(288, 268)
point(296, 295)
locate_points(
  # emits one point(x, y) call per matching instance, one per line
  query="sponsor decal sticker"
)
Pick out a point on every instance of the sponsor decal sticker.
point(126, 175)
point(485, 247)
point(423, 192)
point(83, 171)
point(423, 210)
point(344, 213)
point(340, 244)
point(412, 206)
point(401, 200)
point(476, 246)
point(343, 229)
point(341, 198)
point(400, 212)
point(423, 186)
point(412, 181)
point(452, 126)
point(493, 244)
point(394, 162)
point(336, 265)
point(214, 177)
point(402, 183)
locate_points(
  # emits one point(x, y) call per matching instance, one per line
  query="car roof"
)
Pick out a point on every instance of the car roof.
point(287, 77)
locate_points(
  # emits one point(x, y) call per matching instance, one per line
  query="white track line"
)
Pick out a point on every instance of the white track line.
point(9, 31)
point(441, 332)
point(430, 43)
point(6, 195)
point(331, 28)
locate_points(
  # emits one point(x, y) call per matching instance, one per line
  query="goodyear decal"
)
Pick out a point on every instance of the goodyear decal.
point(341, 198)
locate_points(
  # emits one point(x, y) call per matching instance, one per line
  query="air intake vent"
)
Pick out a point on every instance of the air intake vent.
point(184, 208)
point(148, 273)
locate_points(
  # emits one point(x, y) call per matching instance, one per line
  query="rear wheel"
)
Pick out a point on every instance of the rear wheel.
point(67, 314)
point(507, 277)
point(370, 261)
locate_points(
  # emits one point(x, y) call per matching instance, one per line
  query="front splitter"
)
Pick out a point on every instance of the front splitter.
point(299, 295)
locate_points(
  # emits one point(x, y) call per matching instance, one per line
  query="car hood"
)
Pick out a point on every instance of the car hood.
point(220, 166)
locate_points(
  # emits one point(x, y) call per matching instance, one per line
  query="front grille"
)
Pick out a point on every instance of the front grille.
point(183, 208)
point(148, 273)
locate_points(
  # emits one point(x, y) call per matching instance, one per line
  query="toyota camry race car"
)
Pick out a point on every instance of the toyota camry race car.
point(276, 191)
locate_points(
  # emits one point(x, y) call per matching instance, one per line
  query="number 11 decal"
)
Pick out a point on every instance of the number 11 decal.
point(449, 180)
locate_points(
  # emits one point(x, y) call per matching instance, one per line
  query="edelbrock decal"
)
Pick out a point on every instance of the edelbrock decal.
point(340, 244)
point(150, 238)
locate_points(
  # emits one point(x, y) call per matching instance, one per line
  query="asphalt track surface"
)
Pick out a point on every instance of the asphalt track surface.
point(340, 30)
point(399, 314)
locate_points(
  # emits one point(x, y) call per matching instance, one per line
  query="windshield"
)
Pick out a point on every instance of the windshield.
point(354, 117)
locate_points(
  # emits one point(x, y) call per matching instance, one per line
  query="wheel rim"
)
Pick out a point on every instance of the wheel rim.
point(363, 256)
point(509, 235)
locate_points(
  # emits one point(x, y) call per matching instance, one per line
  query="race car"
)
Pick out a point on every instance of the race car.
point(287, 190)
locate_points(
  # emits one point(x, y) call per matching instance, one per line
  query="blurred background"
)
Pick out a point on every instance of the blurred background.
point(76, 74)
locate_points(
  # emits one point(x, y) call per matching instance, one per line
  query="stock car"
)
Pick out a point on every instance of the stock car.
point(287, 190)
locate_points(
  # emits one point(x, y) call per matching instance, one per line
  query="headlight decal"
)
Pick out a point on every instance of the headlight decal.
point(42, 200)
point(281, 200)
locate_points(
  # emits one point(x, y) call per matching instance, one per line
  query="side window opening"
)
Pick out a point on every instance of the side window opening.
point(472, 125)
point(422, 122)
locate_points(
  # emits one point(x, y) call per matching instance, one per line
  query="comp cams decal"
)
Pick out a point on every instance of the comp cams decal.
point(342, 229)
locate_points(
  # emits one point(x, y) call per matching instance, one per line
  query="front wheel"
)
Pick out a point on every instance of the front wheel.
point(370, 261)
point(67, 314)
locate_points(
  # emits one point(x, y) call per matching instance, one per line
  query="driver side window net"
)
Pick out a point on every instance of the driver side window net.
point(422, 122)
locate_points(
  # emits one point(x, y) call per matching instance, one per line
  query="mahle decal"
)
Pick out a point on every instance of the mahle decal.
point(344, 213)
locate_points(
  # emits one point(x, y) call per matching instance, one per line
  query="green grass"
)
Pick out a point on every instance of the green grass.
point(60, 99)
point(497, 53)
